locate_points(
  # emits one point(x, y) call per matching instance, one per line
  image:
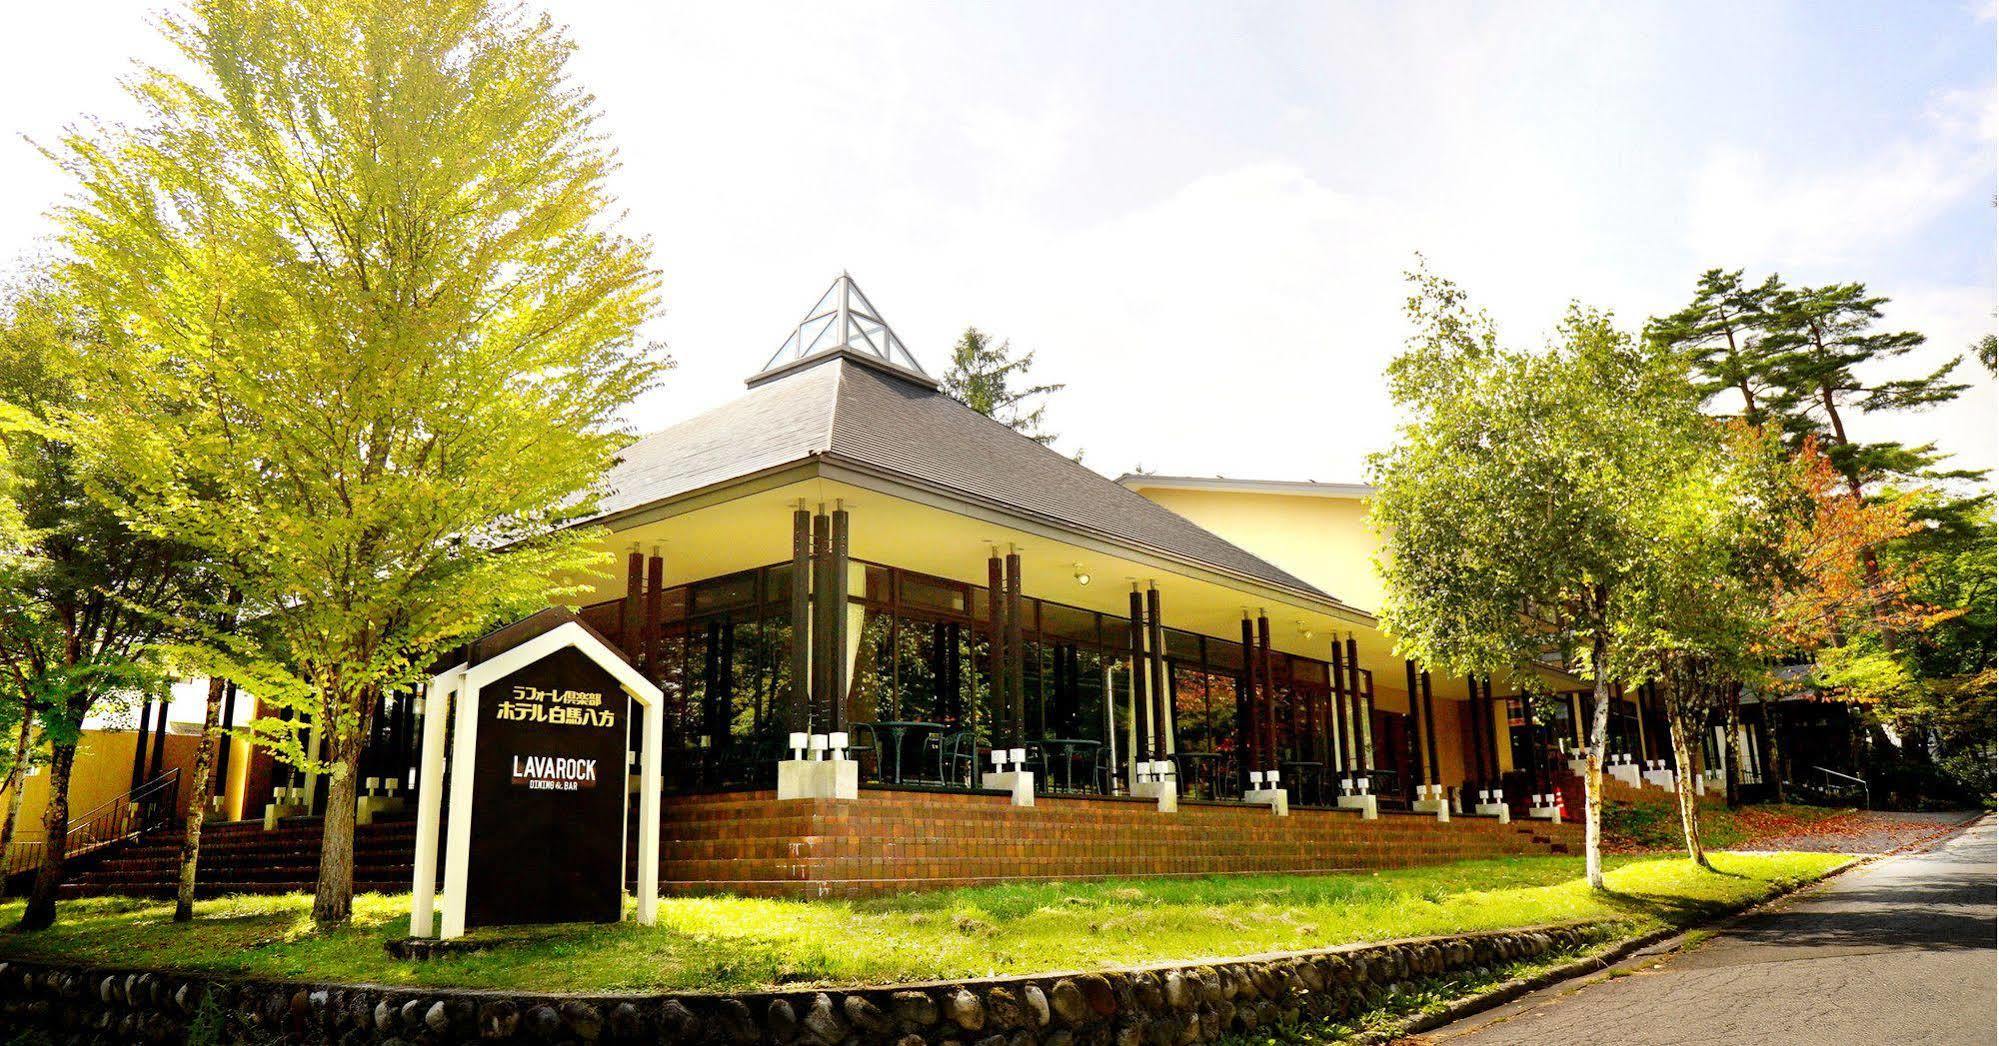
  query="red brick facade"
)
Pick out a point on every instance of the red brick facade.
point(750, 842)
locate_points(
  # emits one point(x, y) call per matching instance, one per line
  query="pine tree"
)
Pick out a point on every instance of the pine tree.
point(1818, 341)
point(1722, 331)
point(982, 377)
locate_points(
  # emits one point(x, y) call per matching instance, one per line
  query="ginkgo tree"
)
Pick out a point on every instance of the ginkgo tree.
point(375, 324)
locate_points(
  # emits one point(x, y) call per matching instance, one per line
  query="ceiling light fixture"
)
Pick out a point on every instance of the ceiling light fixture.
point(1082, 576)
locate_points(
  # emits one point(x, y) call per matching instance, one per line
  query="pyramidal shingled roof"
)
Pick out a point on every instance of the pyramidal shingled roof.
point(857, 406)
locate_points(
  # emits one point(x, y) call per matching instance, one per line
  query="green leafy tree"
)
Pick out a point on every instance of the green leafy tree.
point(1722, 331)
point(375, 323)
point(1819, 340)
point(1519, 503)
point(986, 376)
point(76, 633)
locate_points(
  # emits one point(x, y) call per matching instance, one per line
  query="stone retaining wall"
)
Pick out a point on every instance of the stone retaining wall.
point(1162, 1005)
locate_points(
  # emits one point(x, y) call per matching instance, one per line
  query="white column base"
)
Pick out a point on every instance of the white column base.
point(1020, 783)
point(1369, 809)
point(1277, 799)
point(1700, 785)
point(818, 779)
point(1167, 792)
point(1660, 778)
point(1545, 813)
point(273, 812)
point(1499, 810)
point(1579, 767)
point(1627, 773)
point(1440, 807)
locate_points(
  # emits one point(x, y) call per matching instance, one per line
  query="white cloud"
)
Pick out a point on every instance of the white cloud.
point(1747, 204)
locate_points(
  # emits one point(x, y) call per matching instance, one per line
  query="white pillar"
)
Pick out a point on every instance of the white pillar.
point(430, 801)
point(458, 845)
point(655, 736)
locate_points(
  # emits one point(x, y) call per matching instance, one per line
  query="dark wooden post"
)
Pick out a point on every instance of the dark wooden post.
point(821, 717)
point(1016, 654)
point(836, 570)
point(1418, 772)
point(1480, 725)
point(160, 737)
point(996, 647)
point(1342, 734)
point(1363, 711)
point(1141, 673)
point(139, 745)
point(649, 644)
point(222, 743)
point(1263, 664)
point(1430, 731)
point(797, 715)
point(1162, 690)
point(1245, 702)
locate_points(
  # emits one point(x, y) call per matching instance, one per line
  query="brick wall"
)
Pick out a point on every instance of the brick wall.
point(887, 840)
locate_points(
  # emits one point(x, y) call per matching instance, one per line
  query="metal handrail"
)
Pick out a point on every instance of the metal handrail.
point(1866, 792)
point(121, 817)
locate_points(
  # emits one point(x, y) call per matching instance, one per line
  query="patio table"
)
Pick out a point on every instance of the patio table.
point(897, 730)
point(1205, 769)
point(1069, 747)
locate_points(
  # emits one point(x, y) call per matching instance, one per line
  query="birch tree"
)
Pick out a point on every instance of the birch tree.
point(1516, 506)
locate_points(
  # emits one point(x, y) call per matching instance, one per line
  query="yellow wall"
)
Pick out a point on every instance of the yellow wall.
point(102, 772)
point(1320, 539)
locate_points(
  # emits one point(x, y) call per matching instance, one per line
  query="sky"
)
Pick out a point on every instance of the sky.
point(1198, 215)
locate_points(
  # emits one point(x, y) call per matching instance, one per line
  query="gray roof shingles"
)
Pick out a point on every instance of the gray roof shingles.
point(859, 414)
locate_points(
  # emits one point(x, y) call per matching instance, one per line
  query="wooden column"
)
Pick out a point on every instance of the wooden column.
point(1342, 729)
point(1141, 674)
point(160, 737)
point(1418, 772)
point(1491, 728)
point(797, 714)
point(139, 745)
point(1430, 730)
point(821, 715)
point(1249, 729)
point(222, 743)
point(995, 649)
point(1162, 689)
point(1016, 654)
point(649, 644)
point(1363, 710)
point(836, 570)
point(1477, 776)
point(1576, 719)
point(629, 624)
point(1269, 692)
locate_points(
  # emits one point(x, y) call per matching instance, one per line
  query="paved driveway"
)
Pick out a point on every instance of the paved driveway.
point(1898, 952)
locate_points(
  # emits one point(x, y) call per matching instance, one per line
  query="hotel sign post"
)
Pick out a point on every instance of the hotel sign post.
point(537, 827)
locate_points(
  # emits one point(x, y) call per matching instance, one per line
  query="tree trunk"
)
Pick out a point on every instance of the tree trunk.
point(1685, 771)
point(333, 898)
point(16, 786)
point(197, 808)
point(41, 911)
point(1599, 740)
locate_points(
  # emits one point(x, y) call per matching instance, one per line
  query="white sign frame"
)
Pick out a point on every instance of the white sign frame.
point(456, 691)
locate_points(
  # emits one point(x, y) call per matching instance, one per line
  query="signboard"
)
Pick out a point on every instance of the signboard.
point(549, 795)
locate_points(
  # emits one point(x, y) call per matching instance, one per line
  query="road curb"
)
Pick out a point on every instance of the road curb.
point(1664, 940)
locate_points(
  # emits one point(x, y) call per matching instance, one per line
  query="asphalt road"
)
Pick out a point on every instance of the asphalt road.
point(1897, 952)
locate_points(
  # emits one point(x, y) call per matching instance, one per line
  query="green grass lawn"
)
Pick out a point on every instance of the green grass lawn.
point(736, 943)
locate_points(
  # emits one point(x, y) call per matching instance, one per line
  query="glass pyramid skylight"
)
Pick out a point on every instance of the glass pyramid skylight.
point(844, 319)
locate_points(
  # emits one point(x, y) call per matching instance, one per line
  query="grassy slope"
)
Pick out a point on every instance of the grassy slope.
point(723, 942)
